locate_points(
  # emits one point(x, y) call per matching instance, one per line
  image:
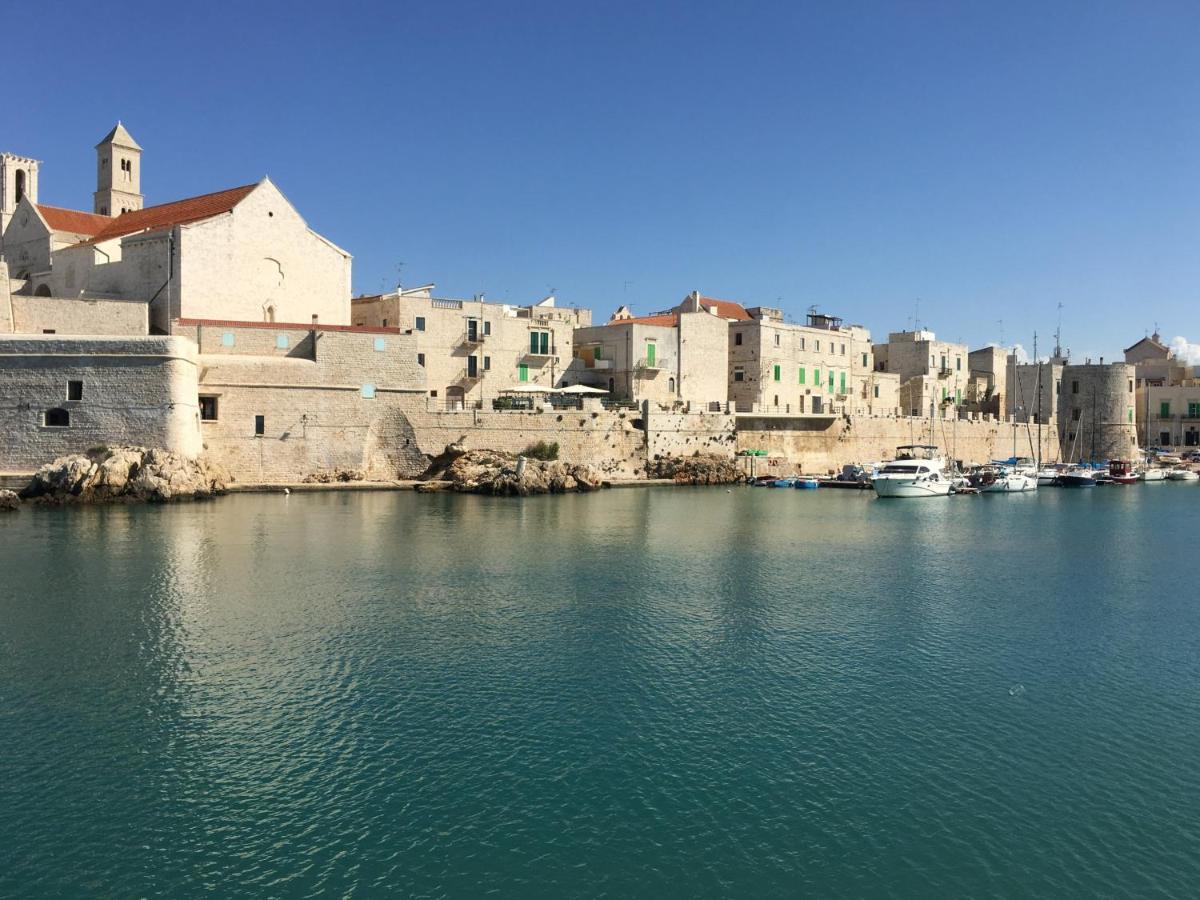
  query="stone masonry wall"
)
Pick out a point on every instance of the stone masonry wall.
point(137, 390)
point(76, 316)
point(815, 446)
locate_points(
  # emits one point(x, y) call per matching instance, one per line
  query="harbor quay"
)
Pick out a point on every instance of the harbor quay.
point(223, 325)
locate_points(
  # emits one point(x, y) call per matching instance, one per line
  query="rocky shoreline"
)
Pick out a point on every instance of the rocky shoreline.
point(121, 475)
point(505, 474)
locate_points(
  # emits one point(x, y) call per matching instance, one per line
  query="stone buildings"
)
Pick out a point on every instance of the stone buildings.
point(781, 367)
point(240, 254)
point(678, 355)
point(1168, 395)
point(933, 374)
point(471, 351)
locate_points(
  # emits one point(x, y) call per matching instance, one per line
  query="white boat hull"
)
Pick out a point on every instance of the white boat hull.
point(911, 487)
point(1183, 475)
point(1010, 484)
point(1154, 475)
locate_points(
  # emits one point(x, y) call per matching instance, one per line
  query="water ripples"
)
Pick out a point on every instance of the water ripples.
point(638, 693)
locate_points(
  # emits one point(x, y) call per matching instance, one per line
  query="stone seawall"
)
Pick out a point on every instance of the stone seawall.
point(816, 446)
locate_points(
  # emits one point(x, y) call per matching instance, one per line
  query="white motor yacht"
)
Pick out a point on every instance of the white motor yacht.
point(1153, 474)
point(917, 471)
point(1182, 474)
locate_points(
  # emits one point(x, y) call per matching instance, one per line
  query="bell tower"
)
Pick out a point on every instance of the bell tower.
point(18, 178)
point(118, 174)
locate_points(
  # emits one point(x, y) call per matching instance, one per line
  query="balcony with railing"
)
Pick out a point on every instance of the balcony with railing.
point(472, 337)
point(650, 364)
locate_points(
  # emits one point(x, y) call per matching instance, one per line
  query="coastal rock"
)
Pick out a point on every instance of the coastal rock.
point(334, 476)
point(495, 472)
point(126, 474)
point(705, 468)
point(9, 501)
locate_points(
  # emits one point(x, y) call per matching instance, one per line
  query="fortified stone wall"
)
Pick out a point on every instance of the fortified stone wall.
point(611, 440)
point(77, 316)
point(285, 402)
point(1096, 412)
point(66, 395)
point(816, 446)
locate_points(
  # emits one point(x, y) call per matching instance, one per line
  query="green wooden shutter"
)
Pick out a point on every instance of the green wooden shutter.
point(651, 351)
point(777, 373)
point(817, 378)
point(802, 374)
point(533, 342)
point(522, 372)
point(843, 382)
point(1164, 409)
point(545, 339)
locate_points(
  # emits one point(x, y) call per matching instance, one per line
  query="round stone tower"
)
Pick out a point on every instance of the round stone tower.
point(1096, 412)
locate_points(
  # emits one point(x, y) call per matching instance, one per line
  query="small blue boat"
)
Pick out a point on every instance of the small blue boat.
point(783, 482)
point(806, 484)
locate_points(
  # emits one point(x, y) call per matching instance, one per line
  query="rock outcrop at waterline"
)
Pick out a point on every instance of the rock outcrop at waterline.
point(9, 501)
point(126, 474)
point(495, 472)
point(705, 468)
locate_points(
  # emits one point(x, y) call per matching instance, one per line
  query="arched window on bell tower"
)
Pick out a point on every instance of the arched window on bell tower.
point(19, 181)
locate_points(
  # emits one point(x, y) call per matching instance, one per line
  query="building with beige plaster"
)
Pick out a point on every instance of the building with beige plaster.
point(472, 351)
point(674, 356)
point(934, 375)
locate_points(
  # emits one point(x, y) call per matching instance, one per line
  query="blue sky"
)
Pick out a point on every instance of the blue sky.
point(992, 160)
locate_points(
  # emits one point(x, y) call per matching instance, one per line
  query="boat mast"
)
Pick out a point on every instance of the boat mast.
point(1038, 413)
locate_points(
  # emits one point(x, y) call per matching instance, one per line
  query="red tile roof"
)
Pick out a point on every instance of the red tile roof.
point(167, 215)
point(669, 320)
point(726, 309)
point(72, 220)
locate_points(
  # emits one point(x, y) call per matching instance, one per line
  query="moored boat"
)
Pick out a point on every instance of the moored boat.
point(1121, 471)
point(1182, 474)
point(1154, 475)
point(806, 484)
point(1076, 476)
point(917, 471)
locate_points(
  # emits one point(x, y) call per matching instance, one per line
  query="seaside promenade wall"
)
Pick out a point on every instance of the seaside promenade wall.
point(67, 395)
point(816, 446)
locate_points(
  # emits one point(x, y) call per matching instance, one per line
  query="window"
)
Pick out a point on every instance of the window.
point(598, 353)
point(385, 323)
point(208, 409)
point(1194, 410)
point(1164, 438)
point(420, 359)
point(49, 331)
point(777, 373)
point(958, 396)
point(958, 364)
point(739, 374)
point(777, 344)
point(817, 378)
point(801, 343)
point(737, 338)
point(56, 418)
point(74, 390)
point(671, 385)
point(1131, 385)
point(944, 363)
point(227, 339)
point(487, 328)
point(380, 344)
point(876, 392)
point(776, 399)
point(420, 324)
point(1164, 409)
point(1074, 387)
point(1131, 415)
point(368, 392)
point(487, 363)
point(281, 342)
point(472, 366)
point(831, 381)
point(20, 187)
point(539, 343)
point(651, 355)
point(843, 349)
point(260, 425)
point(817, 346)
point(802, 375)
point(433, 394)
point(842, 382)
point(864, 364)
point(522, 372)
point(104, 210)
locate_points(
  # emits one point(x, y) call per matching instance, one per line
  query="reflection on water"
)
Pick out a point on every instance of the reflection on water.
point(638, 692)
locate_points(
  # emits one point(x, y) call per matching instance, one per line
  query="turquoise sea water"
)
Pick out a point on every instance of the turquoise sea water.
point(651, 693)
